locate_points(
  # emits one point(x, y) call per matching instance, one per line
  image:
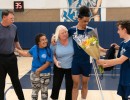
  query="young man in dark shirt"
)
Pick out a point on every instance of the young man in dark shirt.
point(123, 58)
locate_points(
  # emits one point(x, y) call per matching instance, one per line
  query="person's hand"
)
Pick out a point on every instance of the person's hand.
point(113, 44)
point(105, 50)
point(106, 65)
point(95, 11)
point(58, 64)
point(16, 50)
point(53, 42)
point(116, 46)
point(100, 62)
point(37, 72)
point(103, 63)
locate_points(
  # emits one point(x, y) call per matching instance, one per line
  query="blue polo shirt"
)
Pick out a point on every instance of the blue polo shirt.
point(125, 67)
point(40, 57)
point(64, 54)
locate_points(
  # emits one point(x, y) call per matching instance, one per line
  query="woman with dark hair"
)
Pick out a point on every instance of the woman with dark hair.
point(81, 67)
point(41, 69)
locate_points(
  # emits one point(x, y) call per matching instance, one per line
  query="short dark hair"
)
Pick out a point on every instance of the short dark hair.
point(6, 13)
point(84, 12)
point(37, 38)
point(124, 24)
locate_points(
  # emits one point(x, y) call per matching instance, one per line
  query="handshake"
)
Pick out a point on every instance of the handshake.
point(109, 60)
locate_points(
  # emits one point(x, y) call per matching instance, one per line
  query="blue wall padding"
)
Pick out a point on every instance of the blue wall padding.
point(107, 31)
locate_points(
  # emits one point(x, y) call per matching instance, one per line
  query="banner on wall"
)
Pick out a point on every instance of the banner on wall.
point(70, 15)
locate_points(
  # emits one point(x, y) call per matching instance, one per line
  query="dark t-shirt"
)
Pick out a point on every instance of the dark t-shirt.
point(125, 67)
point(79, 53)
point(8, 36)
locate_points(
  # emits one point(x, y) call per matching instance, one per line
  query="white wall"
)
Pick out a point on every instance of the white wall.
point(115, 3)
point(112, 3)
point(43, 4)
point(34, 4)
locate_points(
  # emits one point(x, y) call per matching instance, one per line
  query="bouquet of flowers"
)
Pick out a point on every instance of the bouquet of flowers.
point(89, 42)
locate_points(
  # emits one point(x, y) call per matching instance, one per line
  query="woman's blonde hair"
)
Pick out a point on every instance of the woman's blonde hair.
point(58, 31)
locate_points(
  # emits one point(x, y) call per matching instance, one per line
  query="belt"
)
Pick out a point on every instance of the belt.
point(6, 55)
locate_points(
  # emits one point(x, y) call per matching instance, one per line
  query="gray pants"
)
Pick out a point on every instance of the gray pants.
point(40, 83)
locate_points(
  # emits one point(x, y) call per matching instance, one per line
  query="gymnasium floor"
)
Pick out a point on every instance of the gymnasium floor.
point(109, 84)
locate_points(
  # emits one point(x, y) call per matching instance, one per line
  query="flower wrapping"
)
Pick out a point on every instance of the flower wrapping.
point(89, 42)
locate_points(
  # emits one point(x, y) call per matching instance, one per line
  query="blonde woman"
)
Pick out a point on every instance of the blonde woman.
point(63, 55)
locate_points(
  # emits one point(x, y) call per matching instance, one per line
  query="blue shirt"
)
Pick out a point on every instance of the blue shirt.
point(40, 57)
point(64, 54)
point(79, 53)
point(125, 67)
